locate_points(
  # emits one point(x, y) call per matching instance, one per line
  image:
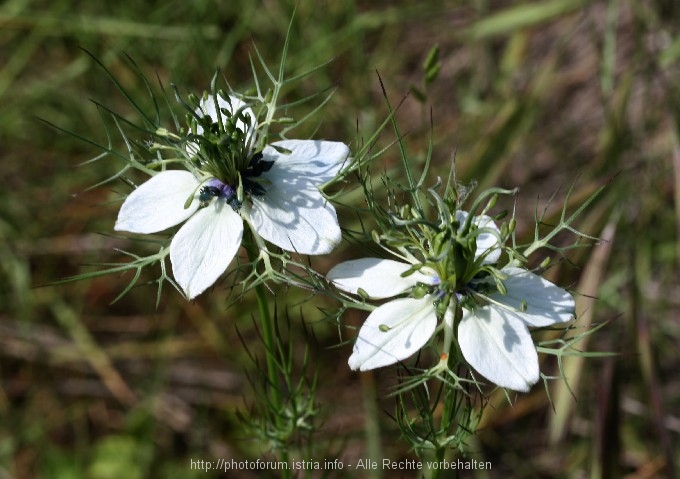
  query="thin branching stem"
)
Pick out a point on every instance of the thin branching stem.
point(267, 325)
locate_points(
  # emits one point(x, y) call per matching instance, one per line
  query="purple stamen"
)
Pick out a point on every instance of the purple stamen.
point(225, 191)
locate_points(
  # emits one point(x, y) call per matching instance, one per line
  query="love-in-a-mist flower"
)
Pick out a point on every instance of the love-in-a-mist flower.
point(274, 188)
point(492, 333)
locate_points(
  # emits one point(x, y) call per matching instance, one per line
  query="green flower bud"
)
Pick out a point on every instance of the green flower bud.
point(420, 291)
point(404, 211)
point(442, 306)
point(504, 230)
point(492, 201)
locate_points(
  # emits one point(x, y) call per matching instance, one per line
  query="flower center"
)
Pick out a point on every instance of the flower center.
point(214, 188)
point(253, 184)
point(443, 291)
point(227, 147)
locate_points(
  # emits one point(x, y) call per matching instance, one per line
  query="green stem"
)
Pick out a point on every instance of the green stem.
point(371, 422)
point(267, 326)
point(448, 410)
point(451, 394)
point(448, 327)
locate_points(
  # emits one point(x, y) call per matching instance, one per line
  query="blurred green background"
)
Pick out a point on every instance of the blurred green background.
point(535, 94)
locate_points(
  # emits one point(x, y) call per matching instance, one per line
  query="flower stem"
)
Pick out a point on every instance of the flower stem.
point(448, 328)
point(267, 325)
point(449, 409)
point(371, 422)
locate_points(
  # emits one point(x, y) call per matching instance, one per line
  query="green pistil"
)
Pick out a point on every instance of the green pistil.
point(225, 149)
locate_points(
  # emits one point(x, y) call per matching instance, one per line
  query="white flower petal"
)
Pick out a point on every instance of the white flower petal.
point(301, 221)
point(498, 345)
point(545, 303)
point(312, 161)
point(159, 203)
point(203, 248)
point(380, 278)
point(409, 324)
point(293, 214)
point(485, 241)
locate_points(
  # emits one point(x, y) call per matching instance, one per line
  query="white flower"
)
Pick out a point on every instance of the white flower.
point(285, 208)
point(494, 338)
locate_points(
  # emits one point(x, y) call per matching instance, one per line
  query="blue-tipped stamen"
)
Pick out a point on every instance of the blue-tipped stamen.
point(214, 188)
